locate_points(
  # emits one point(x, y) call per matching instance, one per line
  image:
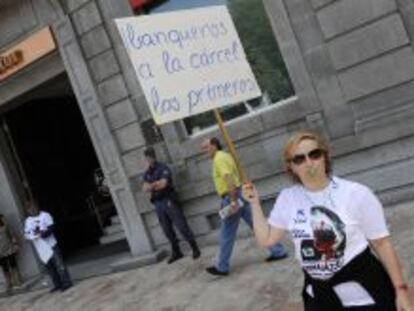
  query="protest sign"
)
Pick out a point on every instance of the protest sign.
point(188, 61)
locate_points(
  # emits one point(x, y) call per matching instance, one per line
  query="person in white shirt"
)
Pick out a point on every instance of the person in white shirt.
point(336, 225)
point(39, 229)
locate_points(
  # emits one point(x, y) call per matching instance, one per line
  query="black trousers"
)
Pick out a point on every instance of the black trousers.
point(8, 262)
point(57, 270)
point(170, 214)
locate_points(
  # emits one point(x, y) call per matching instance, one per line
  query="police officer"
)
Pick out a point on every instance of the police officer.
point(158, 182)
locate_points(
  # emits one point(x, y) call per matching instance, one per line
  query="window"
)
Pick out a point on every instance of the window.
point(262, 53)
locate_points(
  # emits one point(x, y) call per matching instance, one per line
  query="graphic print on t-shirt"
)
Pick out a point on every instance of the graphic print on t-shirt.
point(323, 254)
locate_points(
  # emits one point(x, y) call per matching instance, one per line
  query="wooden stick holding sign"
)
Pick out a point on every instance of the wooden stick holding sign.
point(230, 146)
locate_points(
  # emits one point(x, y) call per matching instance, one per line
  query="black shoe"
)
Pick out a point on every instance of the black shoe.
point(175, 257)
point(196, 255)
point(66, 287)
point(214, 271)
point(276, 258)
point(195, 248)
point(54, 289)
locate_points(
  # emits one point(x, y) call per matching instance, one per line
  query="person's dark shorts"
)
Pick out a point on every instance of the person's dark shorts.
point(8, 262)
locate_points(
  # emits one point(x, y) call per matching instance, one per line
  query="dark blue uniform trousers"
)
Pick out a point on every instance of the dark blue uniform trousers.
point(170, 214)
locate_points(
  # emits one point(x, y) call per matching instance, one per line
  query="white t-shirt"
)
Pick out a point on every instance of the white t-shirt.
point(43, 246)
point(329, 228)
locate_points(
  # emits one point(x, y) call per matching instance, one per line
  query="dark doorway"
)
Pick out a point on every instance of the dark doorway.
point(61, 168)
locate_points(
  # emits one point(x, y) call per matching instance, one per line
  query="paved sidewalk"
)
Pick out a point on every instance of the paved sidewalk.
point(252, 284)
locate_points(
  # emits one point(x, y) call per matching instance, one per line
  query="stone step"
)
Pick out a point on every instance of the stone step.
point(115, 220)
point(107, 239)
point(114, 229)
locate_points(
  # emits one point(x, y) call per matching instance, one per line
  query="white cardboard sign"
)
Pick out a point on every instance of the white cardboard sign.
point(188, 61)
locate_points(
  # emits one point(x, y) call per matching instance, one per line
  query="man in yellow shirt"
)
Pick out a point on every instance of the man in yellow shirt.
point(233, 207)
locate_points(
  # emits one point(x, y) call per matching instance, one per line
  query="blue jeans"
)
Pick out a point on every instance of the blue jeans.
point(228, 232)
point(57, 270)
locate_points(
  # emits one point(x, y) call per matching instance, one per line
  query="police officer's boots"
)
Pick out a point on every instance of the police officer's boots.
point(175, 253)
point(194, 247)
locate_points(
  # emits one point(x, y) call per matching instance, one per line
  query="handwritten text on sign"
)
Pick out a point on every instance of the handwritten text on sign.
point(188, 61)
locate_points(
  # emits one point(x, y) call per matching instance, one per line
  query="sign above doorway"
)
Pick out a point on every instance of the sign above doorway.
point(26, 52)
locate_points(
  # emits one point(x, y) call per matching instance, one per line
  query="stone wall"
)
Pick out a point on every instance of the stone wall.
point(359, 59)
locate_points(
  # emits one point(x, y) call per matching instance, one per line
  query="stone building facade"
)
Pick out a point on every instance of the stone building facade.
point(351, 63)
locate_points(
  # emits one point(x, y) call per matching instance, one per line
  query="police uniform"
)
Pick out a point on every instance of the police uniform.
point(168, 212)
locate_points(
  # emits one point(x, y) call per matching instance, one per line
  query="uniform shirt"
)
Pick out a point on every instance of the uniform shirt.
point(329, 228)
point(223, 164)
point(32, 226)
point(157, 172)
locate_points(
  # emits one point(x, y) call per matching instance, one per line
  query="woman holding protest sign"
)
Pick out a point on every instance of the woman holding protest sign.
point(336, 225)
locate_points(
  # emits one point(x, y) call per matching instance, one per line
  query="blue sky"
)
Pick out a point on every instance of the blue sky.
point(186, 4)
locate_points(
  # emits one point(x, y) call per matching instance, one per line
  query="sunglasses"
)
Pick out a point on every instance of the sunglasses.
point(314, 154)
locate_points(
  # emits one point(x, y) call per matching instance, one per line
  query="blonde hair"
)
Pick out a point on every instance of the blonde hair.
point(294, 140)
